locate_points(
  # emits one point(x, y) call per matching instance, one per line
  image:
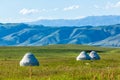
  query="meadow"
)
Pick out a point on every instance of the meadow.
point(58, 62)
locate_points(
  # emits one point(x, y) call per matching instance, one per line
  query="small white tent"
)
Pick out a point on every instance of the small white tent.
point(83, 56)
point(29, 60)
point(94, 55)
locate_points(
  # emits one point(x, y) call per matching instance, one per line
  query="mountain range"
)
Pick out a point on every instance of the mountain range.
point(90, 20)
point(20, 34)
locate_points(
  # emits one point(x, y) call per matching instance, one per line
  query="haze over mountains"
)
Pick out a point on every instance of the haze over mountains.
point(20, 34)
point(90, 20)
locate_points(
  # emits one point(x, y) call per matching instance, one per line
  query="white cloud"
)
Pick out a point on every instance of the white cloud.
point(80, 17)
point(25, 11)
point(108, 5)
point(71, 7)
point(117, 4)
point(43, 10)
point(55, 9)
point(112, 5)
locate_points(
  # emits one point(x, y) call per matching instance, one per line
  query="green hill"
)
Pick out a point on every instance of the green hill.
point(58, 62)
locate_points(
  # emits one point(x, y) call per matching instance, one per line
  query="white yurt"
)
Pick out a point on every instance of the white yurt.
point(83, 56)
point(29, 60)
point(94, 55)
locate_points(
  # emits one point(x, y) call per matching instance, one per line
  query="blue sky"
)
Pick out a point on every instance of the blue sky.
point(32, 10)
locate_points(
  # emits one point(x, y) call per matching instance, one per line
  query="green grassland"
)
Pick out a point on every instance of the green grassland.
point(58, 62)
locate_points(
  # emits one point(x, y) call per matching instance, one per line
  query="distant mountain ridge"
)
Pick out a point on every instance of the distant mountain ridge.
point(90, 20)
point(39, 35)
